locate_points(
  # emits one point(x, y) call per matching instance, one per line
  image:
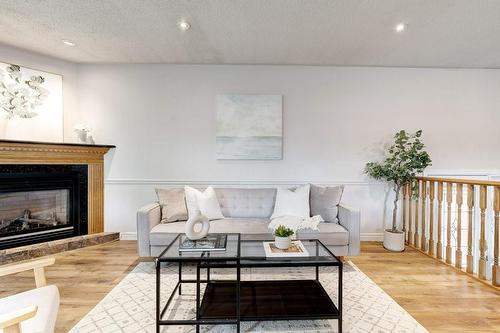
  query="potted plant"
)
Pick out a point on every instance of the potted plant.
point(282, 237)
point(405, 159)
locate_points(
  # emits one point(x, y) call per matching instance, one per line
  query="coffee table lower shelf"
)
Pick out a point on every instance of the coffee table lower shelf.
point(268, 300)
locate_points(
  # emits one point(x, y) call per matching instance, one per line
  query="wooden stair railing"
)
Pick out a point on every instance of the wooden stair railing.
point(458, 214)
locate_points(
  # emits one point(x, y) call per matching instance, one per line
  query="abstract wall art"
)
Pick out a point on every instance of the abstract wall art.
point(249, 127)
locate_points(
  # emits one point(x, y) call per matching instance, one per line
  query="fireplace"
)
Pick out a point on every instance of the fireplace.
point(40, 203)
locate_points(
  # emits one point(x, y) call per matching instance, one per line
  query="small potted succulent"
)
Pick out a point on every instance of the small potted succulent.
point(282, 237)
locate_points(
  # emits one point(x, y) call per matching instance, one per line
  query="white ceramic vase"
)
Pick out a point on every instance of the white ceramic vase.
point(282, 243)
point(394, 241)
point(191, 233)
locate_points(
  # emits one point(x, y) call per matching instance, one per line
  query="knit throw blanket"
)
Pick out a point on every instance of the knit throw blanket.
point(296, 223)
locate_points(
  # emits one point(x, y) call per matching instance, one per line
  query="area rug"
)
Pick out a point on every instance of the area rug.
point(130, 306)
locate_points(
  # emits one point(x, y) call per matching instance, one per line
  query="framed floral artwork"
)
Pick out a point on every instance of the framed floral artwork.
point(31, 104)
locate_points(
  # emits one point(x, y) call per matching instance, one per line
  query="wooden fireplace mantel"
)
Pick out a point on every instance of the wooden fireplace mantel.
point(28, 152)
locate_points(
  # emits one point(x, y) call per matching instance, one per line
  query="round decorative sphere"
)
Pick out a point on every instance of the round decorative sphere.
point(191, 224)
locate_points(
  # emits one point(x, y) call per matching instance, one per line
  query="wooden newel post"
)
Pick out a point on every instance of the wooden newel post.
point(496, 238)
point(410, 215)
point(470, 228)
point(439, 251)
point(403, 211)
point(431, 218)
point(449, 199)
point(482, 234)
point(416, 239)
point(423, 241)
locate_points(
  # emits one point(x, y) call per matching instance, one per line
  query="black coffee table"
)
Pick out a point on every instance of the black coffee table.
point(233, 301)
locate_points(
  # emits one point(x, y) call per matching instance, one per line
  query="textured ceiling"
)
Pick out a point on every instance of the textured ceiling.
point(440, 33)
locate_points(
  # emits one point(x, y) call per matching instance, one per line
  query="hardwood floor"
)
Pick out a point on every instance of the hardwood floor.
point(439, 297)
point(84, 277)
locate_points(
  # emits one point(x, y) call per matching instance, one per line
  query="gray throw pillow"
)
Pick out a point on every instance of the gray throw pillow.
point(324, 201)
point(173, 204)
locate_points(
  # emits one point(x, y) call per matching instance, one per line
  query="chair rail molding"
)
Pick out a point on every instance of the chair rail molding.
point(174, 182)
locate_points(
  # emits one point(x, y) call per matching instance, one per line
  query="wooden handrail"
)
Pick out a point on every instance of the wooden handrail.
point(460, 181)
point(460, 207)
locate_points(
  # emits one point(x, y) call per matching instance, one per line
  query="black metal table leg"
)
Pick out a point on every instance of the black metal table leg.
point(238, 301)
point(317, 267)
point(158, 266)
point(197, 296)
point(208, 274)
point(340, 297)
point(180, 277)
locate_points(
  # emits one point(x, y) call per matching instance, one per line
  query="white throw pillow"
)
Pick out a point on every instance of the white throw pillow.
point(205, 202)
point(292, 202)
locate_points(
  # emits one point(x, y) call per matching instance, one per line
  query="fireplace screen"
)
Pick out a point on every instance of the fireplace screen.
point(32, 211)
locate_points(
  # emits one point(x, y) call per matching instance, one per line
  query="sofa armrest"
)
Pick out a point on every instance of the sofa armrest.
point(147, 217)
point(350, 219)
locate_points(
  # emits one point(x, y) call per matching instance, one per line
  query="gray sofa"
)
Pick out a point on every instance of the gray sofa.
point(246, 211)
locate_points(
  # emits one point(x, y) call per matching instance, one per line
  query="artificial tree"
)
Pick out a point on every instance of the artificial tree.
point(405, 159)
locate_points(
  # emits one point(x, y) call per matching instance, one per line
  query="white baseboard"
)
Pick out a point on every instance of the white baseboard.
point(367, 236)
point(132, 235)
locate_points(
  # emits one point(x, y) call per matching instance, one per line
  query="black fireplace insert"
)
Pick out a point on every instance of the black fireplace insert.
point(40, 203)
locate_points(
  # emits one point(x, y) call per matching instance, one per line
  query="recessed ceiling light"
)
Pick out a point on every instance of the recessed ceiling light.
point(400, 27)
point(183, 25)
point(68, 42)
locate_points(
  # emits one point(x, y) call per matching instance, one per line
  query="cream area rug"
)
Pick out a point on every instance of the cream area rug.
point(130, 306)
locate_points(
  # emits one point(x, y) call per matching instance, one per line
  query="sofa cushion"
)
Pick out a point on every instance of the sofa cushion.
point(292, 202)
point(325, 201)
point(246, 202)
point(173, 204)
point(250, 228)
point(205, 203)
point(329, 234)
point(163, 234)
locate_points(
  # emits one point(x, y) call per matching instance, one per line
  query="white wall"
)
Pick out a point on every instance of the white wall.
point(162, 119)
point(67, 69)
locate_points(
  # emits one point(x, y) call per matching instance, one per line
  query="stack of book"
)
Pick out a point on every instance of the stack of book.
point(209, 243)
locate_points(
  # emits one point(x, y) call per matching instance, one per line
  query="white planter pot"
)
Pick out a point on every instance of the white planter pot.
point(394, 241)
point(282, 243)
